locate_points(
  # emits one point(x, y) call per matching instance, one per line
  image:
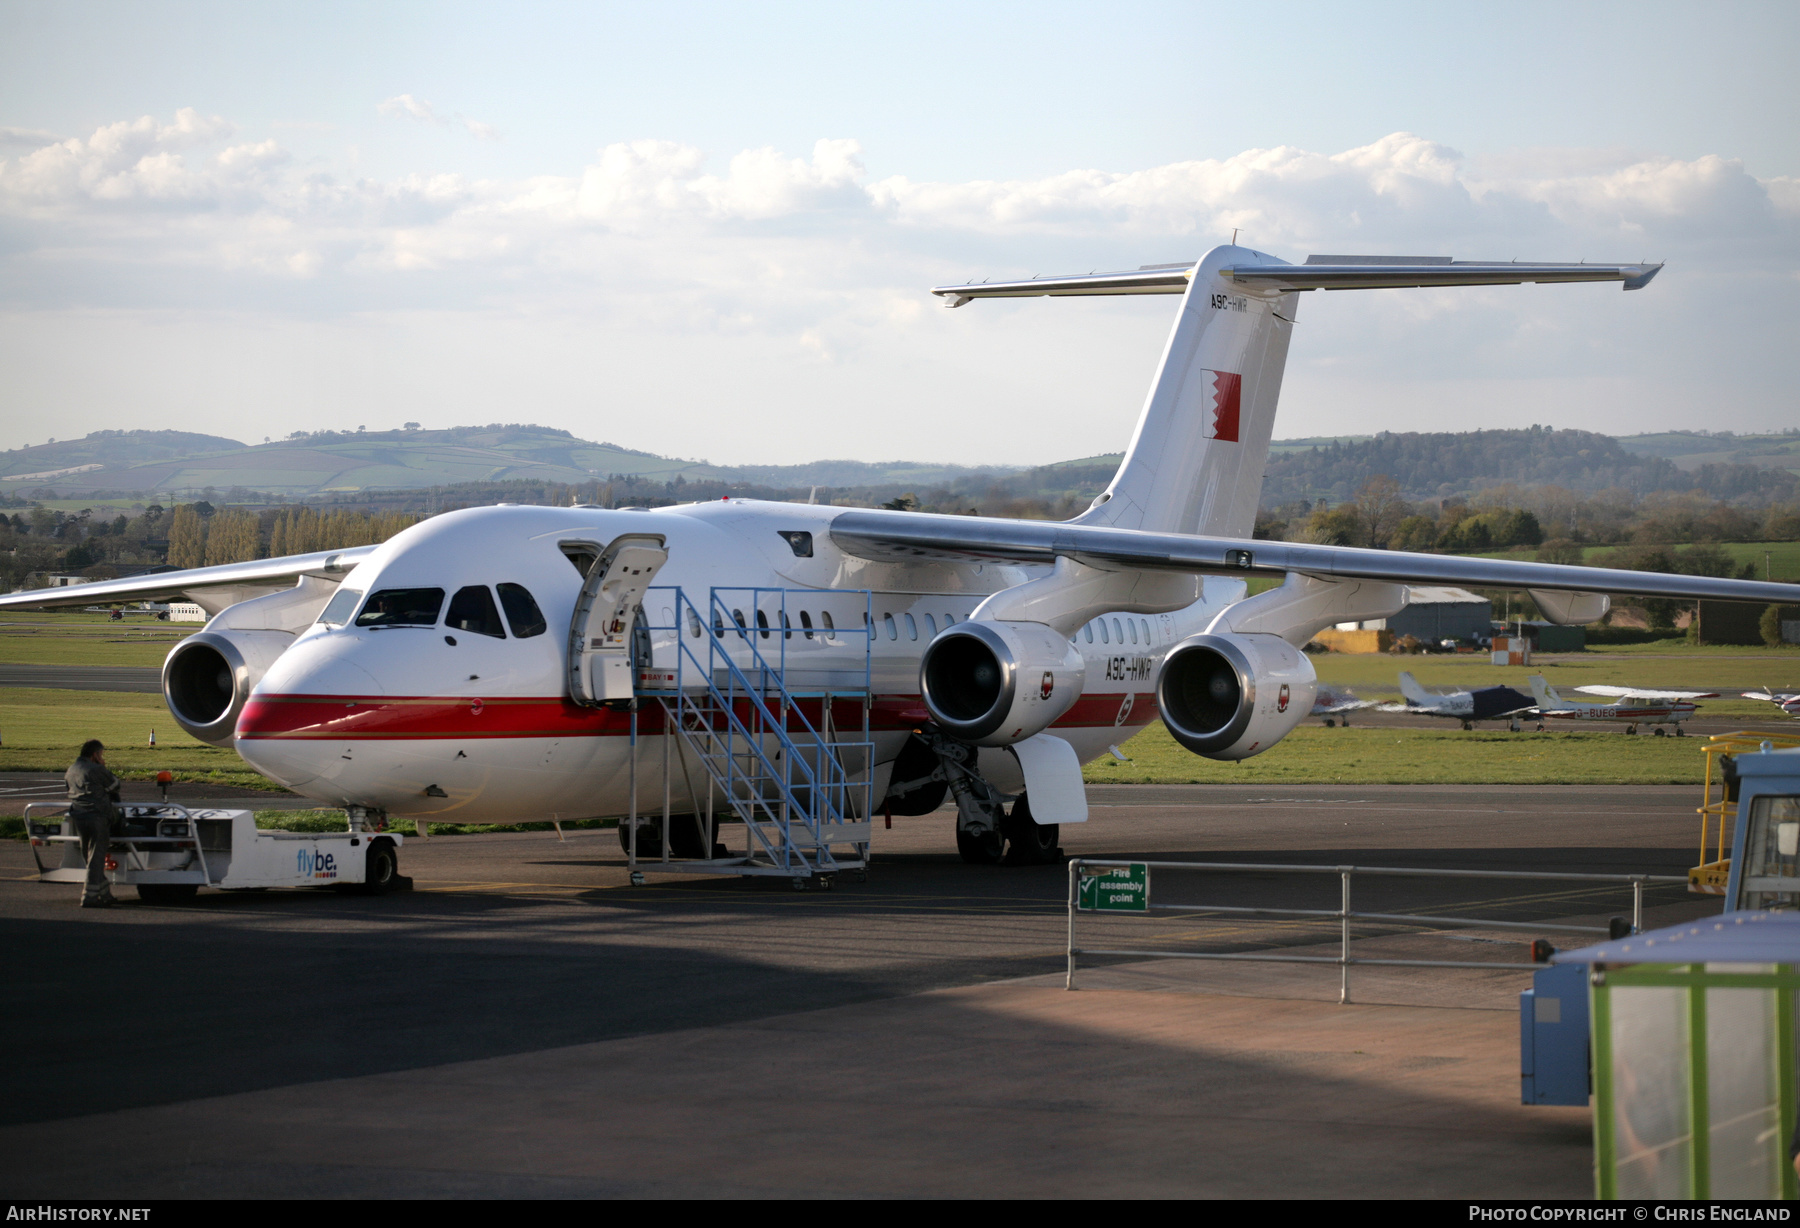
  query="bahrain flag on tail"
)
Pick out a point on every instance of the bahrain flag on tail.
point(1219, 402)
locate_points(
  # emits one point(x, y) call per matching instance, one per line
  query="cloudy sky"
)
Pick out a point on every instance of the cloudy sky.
point(707, 230)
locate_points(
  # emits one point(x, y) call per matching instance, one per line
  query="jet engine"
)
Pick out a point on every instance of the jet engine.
point(208, 676)
point(1232, 696)
point(997, 683)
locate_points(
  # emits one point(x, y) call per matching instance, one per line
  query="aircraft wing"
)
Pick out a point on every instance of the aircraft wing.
point(180, 585)
point(912, 536)
point(1318, 273)
point(1626, 692)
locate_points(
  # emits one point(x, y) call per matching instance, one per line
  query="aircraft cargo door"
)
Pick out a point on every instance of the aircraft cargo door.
point(600, 633)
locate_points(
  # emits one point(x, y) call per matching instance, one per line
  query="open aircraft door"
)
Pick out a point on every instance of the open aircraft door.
point(608, 613)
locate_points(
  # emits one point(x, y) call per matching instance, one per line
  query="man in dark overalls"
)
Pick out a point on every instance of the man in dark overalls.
point(92, 792)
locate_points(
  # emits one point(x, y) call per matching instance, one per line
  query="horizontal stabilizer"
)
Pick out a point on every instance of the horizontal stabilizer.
point(1318, 273)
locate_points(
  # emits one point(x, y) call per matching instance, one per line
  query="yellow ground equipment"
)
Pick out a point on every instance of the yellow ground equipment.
point(1719, 803)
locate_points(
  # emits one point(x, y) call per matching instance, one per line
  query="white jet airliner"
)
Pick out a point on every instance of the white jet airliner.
point(480, 666)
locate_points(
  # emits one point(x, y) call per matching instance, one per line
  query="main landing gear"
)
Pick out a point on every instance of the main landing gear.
point(987, 832)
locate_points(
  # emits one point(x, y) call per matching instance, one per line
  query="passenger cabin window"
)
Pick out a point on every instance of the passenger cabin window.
point(737, 616)
point(830, 627)
point(341, 606)
point(912, 628)
point(762, 624)
point(1118, 632)
point(522, 613)
point(787, 629)
point(930, 625)
point(402, 607)
point(694, 627)
point(1104, 638)
point(1132, 623)
point(1089, 632)
point(806, 624)
point(893, 632)
point(473, 610)
point(1146, 623)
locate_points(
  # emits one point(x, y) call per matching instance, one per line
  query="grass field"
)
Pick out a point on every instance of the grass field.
point(41, 731)
point(1313, 754)
point(1668, 665)
point(86, 639)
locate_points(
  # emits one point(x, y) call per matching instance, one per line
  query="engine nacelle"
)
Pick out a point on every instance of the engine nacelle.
point(208, 676)
point(1233, 696)
point(996, 683)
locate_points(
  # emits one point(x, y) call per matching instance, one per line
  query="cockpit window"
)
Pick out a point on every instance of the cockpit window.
point(402, 607)
point(472, 610)
point(522, 613)
point(341, 606)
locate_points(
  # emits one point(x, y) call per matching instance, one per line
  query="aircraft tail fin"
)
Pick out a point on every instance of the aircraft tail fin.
point(1195, 464)
point(1414, 693)
point(1196, 460)
point(1543, 692)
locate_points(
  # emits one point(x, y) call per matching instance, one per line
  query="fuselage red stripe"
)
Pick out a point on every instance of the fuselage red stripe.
point(383, 717)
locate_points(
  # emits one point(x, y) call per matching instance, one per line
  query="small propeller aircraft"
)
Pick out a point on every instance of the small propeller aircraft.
point(1336, 705)
point(1634, 705)
point(512, 663)
point(1482, 704)
point(1787, 701)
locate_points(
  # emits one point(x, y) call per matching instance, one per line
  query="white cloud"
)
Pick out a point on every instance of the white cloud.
point(422, 111)
point(26, 138)
point(822, 268)
point(416, 108)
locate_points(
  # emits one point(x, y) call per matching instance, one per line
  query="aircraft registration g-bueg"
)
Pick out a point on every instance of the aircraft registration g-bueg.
point(798, 671)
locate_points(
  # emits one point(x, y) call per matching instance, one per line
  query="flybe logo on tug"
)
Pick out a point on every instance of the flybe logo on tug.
point(313, 864)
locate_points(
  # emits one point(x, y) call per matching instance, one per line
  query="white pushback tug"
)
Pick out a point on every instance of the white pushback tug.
point(169, 852)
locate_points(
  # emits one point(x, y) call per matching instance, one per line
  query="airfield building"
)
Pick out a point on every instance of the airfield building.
point(1433, 614)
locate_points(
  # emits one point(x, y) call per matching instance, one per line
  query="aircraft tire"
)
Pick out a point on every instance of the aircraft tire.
point(167, 893)
point(685, 839)
point(1661, 733)
point(685, 842)
point(980, 850)
point(1330, 724)
point(1030, 843)
point(649, 839)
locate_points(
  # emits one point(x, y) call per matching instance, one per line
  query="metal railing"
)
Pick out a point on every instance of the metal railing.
point(741, 709)
point(1344, 914)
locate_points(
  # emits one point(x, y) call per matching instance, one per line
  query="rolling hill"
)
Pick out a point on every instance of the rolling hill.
point(1428, 465)
point(168, 462)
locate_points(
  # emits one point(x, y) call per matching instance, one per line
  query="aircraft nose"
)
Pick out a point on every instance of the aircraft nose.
point(301, 719)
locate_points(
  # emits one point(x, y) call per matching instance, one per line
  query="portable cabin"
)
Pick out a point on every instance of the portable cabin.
point(1693, 1058)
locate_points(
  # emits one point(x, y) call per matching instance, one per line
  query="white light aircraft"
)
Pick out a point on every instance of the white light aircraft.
point(481, 666)
point(1634, 705)
point(1787, 701)
point(1337, 705)
point(1481, 704)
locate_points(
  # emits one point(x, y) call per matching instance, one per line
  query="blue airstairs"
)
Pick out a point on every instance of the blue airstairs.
point(754, 730)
